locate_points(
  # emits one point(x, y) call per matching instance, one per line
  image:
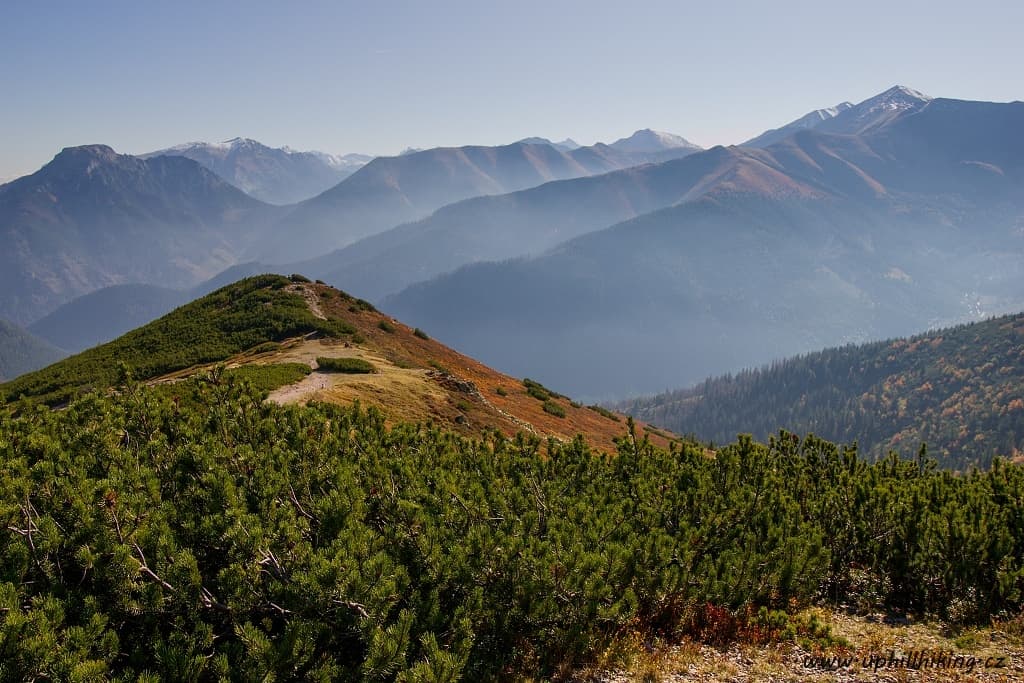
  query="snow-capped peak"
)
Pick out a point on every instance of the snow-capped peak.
point(340, 160)
point(185, 146)
point(241, 142)
point(904, 91)
point(224, 146)
point(566, 145)
point(647, 140)
point(817, 116)
point(896, 97)
point(221, 152)
point(832, 112)
point(878, 111)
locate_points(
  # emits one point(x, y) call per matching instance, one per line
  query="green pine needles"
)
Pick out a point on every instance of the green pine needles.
point(229, 538)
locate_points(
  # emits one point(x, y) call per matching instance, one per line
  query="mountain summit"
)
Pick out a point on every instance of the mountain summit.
point(850, 119)
point(647, 140)
point(899, 96)
point(75, 158)
point(93, 217)
point(876, 111)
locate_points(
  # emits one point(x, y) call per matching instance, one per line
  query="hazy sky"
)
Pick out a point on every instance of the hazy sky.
point(379, 76)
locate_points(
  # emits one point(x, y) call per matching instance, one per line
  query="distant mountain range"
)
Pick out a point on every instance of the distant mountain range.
point(272, 175)
point(94, 218)
point(820, 239)
point(522, 223)
point(958, 390)
point(382, 264)
point(645, 141)
point(861, 221)
point(530, 221)
point(390, 191)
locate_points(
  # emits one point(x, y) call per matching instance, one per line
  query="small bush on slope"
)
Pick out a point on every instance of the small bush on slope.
point(351, 366)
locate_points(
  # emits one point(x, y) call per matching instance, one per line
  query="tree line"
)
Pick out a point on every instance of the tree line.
point(958, 390)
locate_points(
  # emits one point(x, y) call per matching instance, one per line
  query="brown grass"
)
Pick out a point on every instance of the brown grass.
point(864, 636)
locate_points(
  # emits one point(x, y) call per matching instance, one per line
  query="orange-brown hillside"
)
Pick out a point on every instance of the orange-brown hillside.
point(418, 379)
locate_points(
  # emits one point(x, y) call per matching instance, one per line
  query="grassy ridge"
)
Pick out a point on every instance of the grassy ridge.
point(232, 319)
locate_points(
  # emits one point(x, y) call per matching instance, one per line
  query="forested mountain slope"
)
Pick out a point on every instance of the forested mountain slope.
point(959, 390)
point(231, 320)
point(22, 352)
point(105, 314)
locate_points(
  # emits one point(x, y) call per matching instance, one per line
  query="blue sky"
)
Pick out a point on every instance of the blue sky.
point(378, 77)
